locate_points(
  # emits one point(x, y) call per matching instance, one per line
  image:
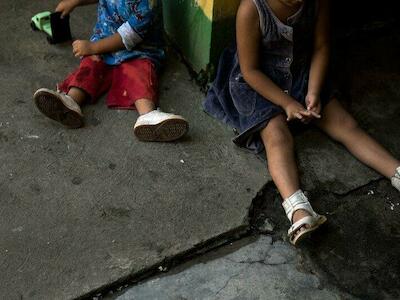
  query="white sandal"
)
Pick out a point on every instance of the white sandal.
point(396, 179)
point(296, 202)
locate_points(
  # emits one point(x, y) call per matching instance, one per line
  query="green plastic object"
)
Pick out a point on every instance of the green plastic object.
point(56, 27)
point(41, 22)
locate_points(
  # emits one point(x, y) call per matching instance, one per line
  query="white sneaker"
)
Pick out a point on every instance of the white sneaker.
point(59, 107)
point(396, 179)
point(158, 126)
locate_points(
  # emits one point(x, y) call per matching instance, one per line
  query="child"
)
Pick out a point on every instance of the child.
point(121, 58)
point(277, 76)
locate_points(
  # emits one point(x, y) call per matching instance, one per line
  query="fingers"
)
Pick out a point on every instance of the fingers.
point(305, 113)
point(81, 48)
point(296, 115)
point(304, 116)
point(77, 53)
point(313, 106)
point(59, 8)
point(311, 113)
point(75, 48)
point(315, 115)
point(62, 9)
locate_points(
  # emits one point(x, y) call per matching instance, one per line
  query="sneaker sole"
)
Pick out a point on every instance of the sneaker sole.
point(166, 131)
point(54, 108)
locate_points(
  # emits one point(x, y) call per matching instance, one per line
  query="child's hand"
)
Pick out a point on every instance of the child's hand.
point(313, 103)
point(65, 7)
point(296, 111)
point(82, 48)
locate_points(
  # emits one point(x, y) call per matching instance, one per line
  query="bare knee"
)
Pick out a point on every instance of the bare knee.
point(337, 122)
point(277, 134)
point(344, 128)
point(350, 124)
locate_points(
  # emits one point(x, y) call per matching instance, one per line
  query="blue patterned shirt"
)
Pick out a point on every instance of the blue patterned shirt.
point(139, 24)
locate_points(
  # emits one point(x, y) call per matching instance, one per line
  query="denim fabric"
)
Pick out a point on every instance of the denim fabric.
point(285, 58)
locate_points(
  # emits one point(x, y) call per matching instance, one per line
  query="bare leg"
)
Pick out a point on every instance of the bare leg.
point(279, 146)
point(144, 106)
point(77, 94)
point(342, 127)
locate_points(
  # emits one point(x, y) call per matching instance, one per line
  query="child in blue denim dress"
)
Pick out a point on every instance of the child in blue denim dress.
point(277, 75)
point(121, 58)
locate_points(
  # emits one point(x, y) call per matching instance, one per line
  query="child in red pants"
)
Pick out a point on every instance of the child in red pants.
point(121, 58)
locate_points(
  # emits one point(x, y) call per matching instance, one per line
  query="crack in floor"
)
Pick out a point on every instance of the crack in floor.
point(227, 282)
point(258, 209)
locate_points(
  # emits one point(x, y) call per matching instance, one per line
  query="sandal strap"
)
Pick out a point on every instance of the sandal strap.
point(397, 174)
point(296, 202)
point(396, 179)
point(309, 220)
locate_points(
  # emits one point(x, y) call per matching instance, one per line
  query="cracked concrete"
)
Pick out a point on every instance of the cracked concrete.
point(357, 249)
point(83, 209)
point(355, 255)
point(79, 213)
point(261, 270)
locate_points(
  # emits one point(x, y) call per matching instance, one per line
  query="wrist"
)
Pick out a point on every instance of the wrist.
point(313, 93)
point(287, 102)
point(94, 48)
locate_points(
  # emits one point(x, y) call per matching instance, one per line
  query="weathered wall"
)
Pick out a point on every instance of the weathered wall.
point(200, 28)
point(189, 24)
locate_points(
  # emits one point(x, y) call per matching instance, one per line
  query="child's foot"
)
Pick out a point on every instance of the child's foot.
point(157, 126)
point(297, 216)
point(396, 179)
point(303, 218)
point(59, 107)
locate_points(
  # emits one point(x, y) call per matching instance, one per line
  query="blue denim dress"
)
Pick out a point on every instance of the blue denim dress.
point(286, 52)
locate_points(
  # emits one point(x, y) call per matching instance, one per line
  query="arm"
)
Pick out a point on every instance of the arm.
point(128, 36)
point(320, 58)
point(67, 6)
point(248, 43)
point(109, 44)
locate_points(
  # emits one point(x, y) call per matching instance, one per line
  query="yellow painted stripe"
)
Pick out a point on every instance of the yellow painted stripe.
point(218, 9)
point(207, 7)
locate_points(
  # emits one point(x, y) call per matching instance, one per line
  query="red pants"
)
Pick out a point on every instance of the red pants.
point(130, 81)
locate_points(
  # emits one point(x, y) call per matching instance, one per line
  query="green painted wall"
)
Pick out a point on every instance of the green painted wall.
point(190, 29)
point(200, 29)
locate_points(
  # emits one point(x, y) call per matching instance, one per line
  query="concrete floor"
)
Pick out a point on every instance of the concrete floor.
point(355, 255)
point(82, 210)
